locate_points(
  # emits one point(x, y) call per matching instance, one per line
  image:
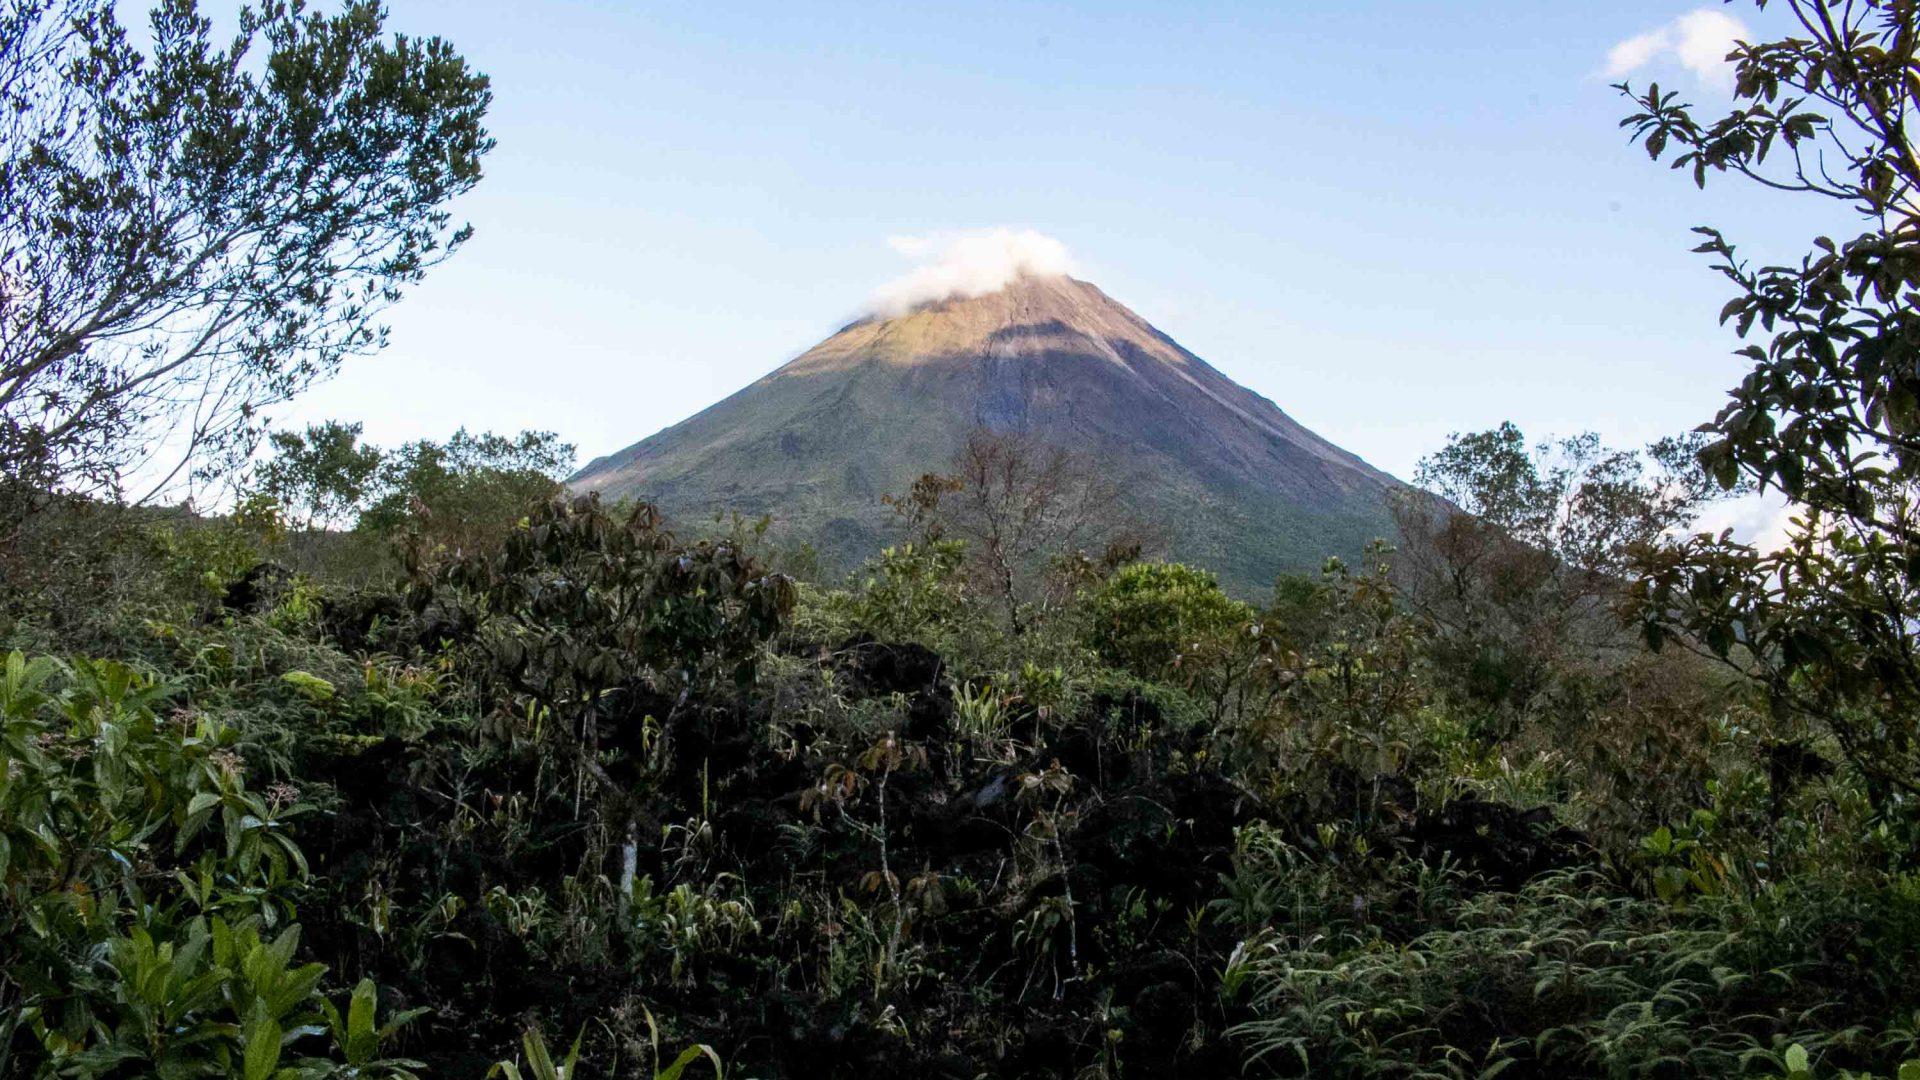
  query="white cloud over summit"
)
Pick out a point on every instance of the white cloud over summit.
point(966, 264)
point(1700, 40)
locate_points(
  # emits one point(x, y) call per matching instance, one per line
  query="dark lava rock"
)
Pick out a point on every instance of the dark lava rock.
point(1503, 844)
point(262, 586)
point(875, 668)
point(351, 620)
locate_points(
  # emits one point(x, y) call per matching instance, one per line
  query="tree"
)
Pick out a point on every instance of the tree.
point(1015, 501)
point(1579, 504)
point(191, 231)
point(320, 476)
point(465, 493)
point(1517, 555)
point(1830, 413)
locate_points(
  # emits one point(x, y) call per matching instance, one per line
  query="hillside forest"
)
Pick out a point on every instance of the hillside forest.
point(330, 760)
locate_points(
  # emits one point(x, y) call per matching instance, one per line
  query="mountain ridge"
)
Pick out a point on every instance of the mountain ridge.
point(1239, 485)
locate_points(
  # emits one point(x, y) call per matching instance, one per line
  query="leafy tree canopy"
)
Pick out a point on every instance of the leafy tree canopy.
point(471, 486)
point(192, 229)
point(320, 474)
point(1519, 563)
point(1829, 415)
point(1574, 500)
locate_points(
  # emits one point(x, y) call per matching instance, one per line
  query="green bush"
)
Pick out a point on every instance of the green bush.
point(1146, 616)
point(148, 893)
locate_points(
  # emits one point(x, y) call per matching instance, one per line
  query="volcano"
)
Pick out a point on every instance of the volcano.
point(1229, 480)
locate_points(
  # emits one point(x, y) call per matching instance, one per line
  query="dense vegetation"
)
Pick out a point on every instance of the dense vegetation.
point(410, 764)
point(598, 782)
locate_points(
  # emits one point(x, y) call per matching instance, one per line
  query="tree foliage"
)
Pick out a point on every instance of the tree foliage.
point(1517, 555)
point(579, 611)
point(589, 773)
point(322, 475)
point(1829, 415)
point(468, 491)
point(193, 229)
point(1148, 615)
point(148, 891)
point(578, 602)
point(1576, 503)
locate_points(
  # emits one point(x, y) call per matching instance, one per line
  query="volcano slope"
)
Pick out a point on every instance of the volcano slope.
point(1228, 480)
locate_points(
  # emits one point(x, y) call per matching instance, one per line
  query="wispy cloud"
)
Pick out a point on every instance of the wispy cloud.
point(963, 264)
point(1699, 40)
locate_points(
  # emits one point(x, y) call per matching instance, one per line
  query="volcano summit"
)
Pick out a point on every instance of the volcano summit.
point(1232, 482)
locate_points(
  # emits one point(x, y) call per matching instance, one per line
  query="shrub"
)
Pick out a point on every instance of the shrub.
point(1145, 617)
point(148, 891)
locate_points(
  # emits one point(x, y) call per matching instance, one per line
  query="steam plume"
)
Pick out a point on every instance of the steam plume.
point(967, 264)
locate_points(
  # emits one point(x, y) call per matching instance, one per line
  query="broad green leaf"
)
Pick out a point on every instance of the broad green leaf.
point(263, 1048)
point(362, 1040)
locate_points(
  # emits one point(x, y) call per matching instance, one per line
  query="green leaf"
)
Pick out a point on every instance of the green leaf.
point(335, 1023)
point(687, 1057)
point(312, 687)
point(539, 1062)
point(263, 1048)
point(396, 1021)
point(362, 1040)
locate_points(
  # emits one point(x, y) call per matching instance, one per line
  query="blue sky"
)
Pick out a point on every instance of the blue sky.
point(1395, 219)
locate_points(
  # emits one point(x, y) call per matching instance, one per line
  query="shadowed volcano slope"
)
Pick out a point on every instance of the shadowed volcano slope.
point(1234, 483)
